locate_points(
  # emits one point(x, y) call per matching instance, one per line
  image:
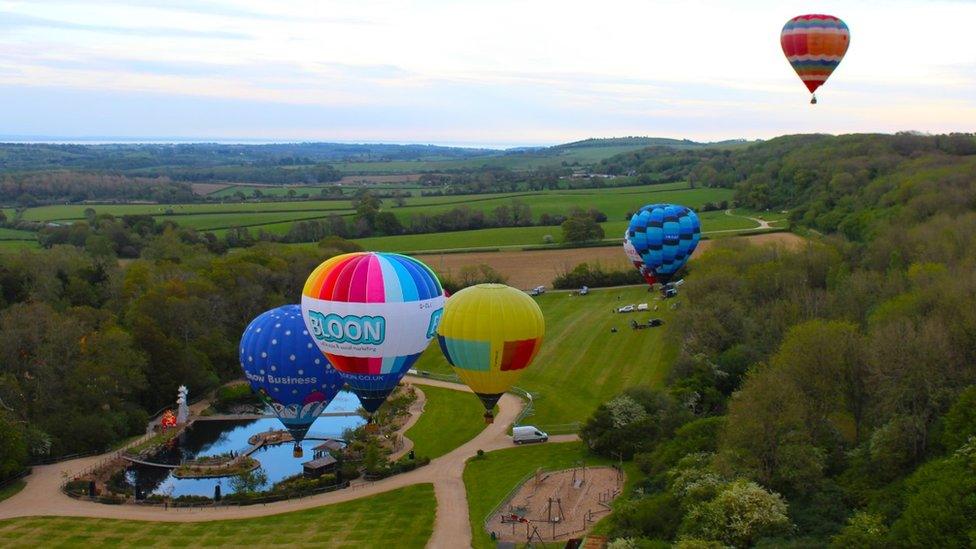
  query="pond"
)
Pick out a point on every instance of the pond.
point(215, 437)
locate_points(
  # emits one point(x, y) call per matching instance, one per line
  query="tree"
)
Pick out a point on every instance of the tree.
point(739, 515)
point(249, 481)
point(766, 436)
point(367, 206)
point(863, 530)
point(3, 218)
point(959, 424)
point(581, 228)
point(13, 447)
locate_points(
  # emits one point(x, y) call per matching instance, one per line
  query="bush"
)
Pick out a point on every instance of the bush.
point(594, 276)
point(739, 515)
point(863, 530)
point(657, 516)
point(697, 436)
point(349, 471)
point(631, 422)
point(340, 244)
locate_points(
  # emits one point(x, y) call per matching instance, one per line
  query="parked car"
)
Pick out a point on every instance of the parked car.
point(584, 290)
point(627, 309)
point(655, 322)
point(528, 433)
point(642, 307)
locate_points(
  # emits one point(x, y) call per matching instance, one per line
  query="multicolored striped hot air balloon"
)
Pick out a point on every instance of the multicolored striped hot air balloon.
point(664, 236)
point(489, 334)
point(372, 314)
point(814, 45)
point(287, 370)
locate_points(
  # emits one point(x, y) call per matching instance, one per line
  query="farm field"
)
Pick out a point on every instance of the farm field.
point(530, 268)
point(581, 364)
point(488, 480)
point(14, 234)
point(524, 236)
point(358, 523)
point(450, 419)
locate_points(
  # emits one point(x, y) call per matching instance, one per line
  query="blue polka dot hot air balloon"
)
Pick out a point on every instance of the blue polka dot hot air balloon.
point(287, 370)
point(664, 236)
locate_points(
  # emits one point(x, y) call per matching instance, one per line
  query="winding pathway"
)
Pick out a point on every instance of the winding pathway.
point(42, 494)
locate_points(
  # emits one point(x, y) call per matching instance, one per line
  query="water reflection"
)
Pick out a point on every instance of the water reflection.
point(211, 438)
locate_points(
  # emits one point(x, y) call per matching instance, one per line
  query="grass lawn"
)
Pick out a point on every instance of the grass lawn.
point(450, 419)
point(16, 233)
point(489, 479)
point(15, 245)
point(400, 518)
point(12, 489)
point(581, 363)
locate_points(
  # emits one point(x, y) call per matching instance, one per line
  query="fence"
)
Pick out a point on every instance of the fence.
point(15, 478)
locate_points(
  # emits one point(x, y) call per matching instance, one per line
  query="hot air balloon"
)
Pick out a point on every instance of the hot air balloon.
point(489, 334)
point(372, 314)
point(635, 258)
point(664, 236)
point(287, 370)
point(814, 46)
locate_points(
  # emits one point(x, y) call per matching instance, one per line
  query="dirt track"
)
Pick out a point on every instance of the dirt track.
point(539, 267)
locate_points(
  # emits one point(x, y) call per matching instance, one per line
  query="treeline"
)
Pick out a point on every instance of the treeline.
point(134, 156)
point(821, 396)
point(65, 186)
point(89, 349)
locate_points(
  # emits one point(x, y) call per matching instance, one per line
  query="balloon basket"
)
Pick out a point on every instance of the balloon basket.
point(813, 100)
point(297, 451)
point(489, 418)
point(371, 427)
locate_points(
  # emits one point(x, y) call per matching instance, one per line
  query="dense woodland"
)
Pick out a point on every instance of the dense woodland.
point(820, 396)
point(823, 396)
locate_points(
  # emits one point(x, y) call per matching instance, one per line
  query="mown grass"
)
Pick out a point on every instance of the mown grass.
point(450, 419)
point(581, 363)
point(488, 479)
point(399, 518)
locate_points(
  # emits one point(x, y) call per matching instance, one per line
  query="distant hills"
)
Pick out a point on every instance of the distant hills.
point(151, 157)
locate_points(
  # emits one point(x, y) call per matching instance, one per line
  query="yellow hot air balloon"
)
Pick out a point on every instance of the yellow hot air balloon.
point(489, 333)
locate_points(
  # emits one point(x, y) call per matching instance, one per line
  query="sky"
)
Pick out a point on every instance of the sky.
point(488, 73)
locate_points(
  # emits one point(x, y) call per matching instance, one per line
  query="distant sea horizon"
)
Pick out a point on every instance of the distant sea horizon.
point(118, 140)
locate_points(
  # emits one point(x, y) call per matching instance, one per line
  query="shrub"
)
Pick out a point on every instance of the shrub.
point(657, 516)
point(739, 515)
point(594, 276)
point(863, 530)
point(960, 422)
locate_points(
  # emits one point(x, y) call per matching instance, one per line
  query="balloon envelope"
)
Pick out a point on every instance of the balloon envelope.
point(286, 368)
point(372, 314)
point(489, 334)
point(635, 258)
point(664, 236)
point(814, 45)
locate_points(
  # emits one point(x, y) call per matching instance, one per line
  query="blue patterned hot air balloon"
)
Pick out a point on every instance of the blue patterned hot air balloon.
point(664, 236)
point(287, 370)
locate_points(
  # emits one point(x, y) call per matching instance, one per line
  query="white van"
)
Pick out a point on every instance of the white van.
point(642, 307)
point(528, 433)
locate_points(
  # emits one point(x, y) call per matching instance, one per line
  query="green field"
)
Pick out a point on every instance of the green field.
point(450, 419)
point(582, 364)
point(400, 518)
point(487, 480)
point(522, 236)
point(14, 234)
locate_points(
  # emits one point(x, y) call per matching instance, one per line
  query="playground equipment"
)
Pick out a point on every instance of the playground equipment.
point(555, 505)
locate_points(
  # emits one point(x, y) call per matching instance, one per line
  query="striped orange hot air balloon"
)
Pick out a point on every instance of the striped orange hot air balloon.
point(814, 45)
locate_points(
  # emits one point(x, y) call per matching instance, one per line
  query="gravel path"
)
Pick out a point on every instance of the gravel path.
point(42, 495)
